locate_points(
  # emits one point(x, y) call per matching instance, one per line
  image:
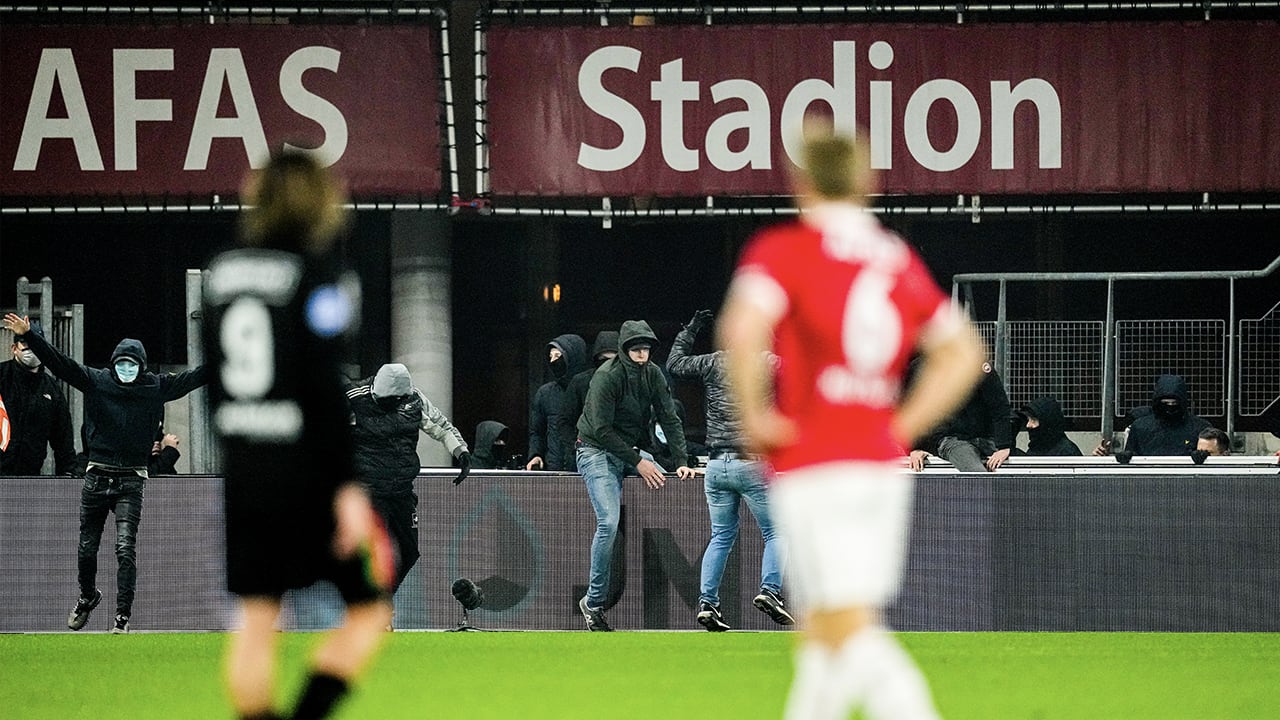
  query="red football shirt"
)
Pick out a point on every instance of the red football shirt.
point(851, 299)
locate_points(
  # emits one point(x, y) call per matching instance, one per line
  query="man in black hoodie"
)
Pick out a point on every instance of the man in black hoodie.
point(123, 406)
point(1046, 429)
point(978, 437)
point(1170, 428)
point(491, 451)
point(567, 356)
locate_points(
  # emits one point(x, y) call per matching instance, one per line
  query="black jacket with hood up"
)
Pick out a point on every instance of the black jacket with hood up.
point(545, 440)
point(1050, 437)
point(576, 394)
point(120, 419)
point(1156, 433)
point(482, 455)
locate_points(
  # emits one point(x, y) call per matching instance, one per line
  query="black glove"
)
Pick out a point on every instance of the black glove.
point(1198, 456)
point(465, 461)
point(700, 319)
point(1124, 456)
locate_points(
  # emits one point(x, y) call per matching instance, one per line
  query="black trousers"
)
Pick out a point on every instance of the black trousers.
point(103, 494)
point(399, 512)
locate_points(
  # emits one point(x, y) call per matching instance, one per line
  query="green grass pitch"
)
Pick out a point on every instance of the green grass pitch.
point(668, 675)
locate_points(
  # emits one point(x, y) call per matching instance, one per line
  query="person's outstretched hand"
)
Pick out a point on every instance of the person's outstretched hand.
point(465, 461)
point(17, 325)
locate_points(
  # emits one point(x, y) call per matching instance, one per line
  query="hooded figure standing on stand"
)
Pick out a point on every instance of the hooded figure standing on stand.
point(567, 356)
point(123, 406)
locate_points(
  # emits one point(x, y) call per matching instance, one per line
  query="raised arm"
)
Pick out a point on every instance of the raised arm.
point(680, 363)
point(62, 367)
point(176, 385)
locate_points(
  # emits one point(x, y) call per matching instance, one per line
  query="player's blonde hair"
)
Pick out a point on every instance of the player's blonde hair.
point(834, 165)
point(295, 203)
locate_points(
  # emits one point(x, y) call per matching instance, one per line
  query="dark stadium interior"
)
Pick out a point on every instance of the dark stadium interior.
point(128, 271)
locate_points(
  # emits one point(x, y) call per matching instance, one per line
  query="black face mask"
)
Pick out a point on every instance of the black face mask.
point(1165, 411)
point(388, 404)
point(501, 453)
point(559, 367)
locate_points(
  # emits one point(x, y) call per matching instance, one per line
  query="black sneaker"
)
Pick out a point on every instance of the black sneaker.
point(710, 618)
point(121, 625)
point(594, 617)
point(80, 613)
point(770, 603)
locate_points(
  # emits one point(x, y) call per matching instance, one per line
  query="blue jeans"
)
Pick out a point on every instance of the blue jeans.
point(726, 482)
point(103, 494)
point(602, 474)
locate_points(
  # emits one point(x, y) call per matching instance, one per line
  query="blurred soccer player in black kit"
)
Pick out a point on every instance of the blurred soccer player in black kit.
point(273, 321)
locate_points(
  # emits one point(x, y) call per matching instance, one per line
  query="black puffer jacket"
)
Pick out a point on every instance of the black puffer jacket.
point(120, 419)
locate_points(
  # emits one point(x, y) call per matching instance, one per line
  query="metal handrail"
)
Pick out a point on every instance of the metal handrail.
point(1111, 278)
point(1126, 275)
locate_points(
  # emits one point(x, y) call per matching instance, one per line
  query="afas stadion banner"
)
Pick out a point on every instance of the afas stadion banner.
point(1009, 108)
point(137, 110)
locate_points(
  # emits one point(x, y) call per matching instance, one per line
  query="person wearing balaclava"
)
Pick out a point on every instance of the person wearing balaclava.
point(1170, 428)
point(1046, 428)
point(123, 406)
point(491, 451)
point(387, 413)
point(38, 416)
point(566, 357)
point(604, 348)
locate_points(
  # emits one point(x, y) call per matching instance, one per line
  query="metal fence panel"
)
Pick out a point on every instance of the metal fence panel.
point(1194, 349)
point(1260, 363)
point(1058, 358)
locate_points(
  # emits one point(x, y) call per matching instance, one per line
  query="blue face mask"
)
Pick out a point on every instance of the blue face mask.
point(126, 370)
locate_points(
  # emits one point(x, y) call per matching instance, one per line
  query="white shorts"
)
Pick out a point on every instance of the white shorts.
point(846, 527)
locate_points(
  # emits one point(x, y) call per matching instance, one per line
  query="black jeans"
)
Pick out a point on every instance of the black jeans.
point(104, 494)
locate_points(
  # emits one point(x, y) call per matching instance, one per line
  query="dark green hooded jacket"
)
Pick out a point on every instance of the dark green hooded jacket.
point(619, 400)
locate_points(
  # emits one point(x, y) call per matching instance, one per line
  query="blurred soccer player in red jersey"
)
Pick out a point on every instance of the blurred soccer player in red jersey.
point(843, 302)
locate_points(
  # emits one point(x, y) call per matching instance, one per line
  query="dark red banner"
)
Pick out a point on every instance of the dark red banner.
point(1010, 108)
point(136, 110)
